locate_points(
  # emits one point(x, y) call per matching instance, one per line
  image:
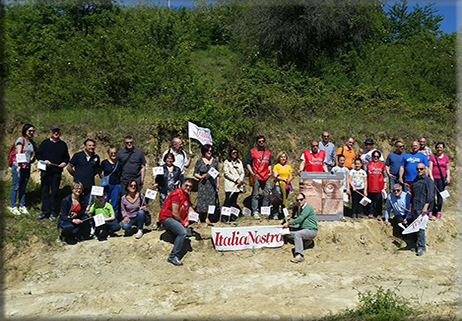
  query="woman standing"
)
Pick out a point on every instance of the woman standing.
point(170, 181)
point(376, 182)
point(441, 175)
point(111, 169)
point(233, 172)
point(21, 171)
point(283, 175)
point(133, 207)
point(208, 186)
point(72, 217)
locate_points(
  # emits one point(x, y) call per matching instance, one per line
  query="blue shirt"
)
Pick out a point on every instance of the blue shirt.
point(394, 203)
point(394, 162)
point(329, 149)
point(410, 162)
point(107, 170)
point(85, 170)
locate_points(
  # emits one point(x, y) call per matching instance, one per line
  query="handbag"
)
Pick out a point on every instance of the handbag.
point(105, 180)
point(275, 198)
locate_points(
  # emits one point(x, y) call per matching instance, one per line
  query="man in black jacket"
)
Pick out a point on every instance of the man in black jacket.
point(54, 153)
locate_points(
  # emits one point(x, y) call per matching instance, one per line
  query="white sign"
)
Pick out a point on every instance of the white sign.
point(97, 190)
point(265, 210)
point(158, 171)
point(246, 211)
point(193, 216)
point(235, 211)
point(285, 211)
point(21, 158)
point(247, 237)
point(99, 220)
point(419, 223)
point(211, 209)
point(384, 194)
point(285, 231)
point(213, 172)
point(204, 135)
point(150, 193)
point(345, 197)
point(225, 211)
point(444, 194)
point(364, 201)
point(42, 165)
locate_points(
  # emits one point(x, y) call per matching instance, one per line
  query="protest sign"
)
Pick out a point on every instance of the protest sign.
point(193, 216)
point(247, 211)
point(97, 190)
point(265, 210)
point(151, 194)
point(225, 211)
point(204, 135)
point(213, 172)
point(419, 223)
point(248, 237)
point(158, 171)
point(42, 165)
point(99, 220)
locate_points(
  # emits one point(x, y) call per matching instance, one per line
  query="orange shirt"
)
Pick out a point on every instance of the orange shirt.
point(349, 156)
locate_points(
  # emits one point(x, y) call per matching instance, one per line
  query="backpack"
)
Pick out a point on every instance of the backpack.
point(12, 152)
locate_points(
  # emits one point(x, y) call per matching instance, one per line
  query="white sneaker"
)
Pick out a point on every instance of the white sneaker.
point(92, 231)
point(15, 210)
point(256, 216)
point(23, 210)
point(139, 234)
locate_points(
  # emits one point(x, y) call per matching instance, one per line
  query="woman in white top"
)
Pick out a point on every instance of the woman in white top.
point(233, 171)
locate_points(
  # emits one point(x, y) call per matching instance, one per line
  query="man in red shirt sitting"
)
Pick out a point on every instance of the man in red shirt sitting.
point(313, 159)
point(174, 216)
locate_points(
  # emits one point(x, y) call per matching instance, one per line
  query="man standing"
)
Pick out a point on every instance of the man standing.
point(304, 227)
point(348, 152)
point(53, 151)
point(366, 155)
point(84, 166)
point(423, 193)
point(181, 159)
point(407, 170)
point(393, 163)
point(424, 149)
point(399, 202)
point(329, 149)
point(133, 165)
point(313, 160)
point(174, 216)
point(258, 164)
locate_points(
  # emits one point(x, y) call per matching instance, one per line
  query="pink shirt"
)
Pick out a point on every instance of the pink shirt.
point(443, 165)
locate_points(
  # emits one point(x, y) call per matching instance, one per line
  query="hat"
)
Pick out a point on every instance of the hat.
point(369, 142)
point(55, 127)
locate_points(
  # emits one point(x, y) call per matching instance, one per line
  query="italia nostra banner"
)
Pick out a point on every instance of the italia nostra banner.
point(248, 237)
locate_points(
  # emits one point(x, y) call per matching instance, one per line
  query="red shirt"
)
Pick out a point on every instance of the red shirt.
point(375, 180)
point(76, 208)
point(177, 197)
point(260, 163)
point(314, 162)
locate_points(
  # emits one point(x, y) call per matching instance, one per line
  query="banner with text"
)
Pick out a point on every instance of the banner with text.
point(248, 237)
point(204, 135)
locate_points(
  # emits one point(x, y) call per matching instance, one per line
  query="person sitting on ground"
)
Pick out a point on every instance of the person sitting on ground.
point(282, 173)
point(357, 182)
point(175, 218)
point(72, 219)
point(171, 179)
point(110, 226)
point(233, 173)
point(304, 227)
point(399, 202)
point(133, 207)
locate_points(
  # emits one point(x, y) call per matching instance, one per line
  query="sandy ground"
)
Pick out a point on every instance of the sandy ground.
point(125, 278)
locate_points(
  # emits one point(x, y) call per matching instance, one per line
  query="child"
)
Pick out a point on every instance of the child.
point(111, 226)
point(357, 180)
point(340, 168)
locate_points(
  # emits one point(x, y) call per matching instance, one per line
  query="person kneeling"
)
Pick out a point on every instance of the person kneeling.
point(174, 216)
point(110, 225)
point(73, 219)
point(133, 207)
point(304, 227)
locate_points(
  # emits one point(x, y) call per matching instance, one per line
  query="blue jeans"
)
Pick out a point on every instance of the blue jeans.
point(112, 194)
point(110, 227)
point(276, 211)
point(19, 185)
point(265, 186)
point(179, 231)
point(392, 181)
point(138, 220)
point(435, 208)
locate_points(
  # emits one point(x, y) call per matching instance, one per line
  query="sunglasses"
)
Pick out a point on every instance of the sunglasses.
point(401, 146)
point(113, 153)
point(420, 168)
point(31, 131)
point(314, 145)
point(187, 186)
point(234, 153)
point(128, 143)
point(133, 185)
point(375, 156)
point(325, 135)
point(396, 190)
point(299, 199)
point(261, 141)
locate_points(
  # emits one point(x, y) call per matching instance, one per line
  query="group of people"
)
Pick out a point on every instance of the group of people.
point(123, 175)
